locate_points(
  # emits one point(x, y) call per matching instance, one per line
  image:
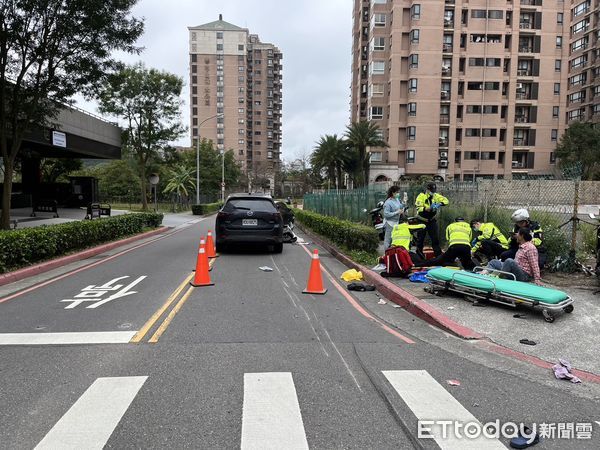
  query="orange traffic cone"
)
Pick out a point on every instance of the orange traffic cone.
point(315, 280)
point(202, 245)
point(201, 277)
point(210, 246)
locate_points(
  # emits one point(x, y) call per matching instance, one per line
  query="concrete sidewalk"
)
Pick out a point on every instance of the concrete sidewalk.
point(575, 337)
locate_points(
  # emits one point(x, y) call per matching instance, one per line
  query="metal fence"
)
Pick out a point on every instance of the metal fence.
point(560, 206)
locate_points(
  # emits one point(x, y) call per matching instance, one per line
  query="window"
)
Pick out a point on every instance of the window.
point(220, 110)
point(377, 67)
point(489, 132)
point(414, 36)
point(577, 97)
point(478, 13)
point(493, 62)
point(490, 109)
point(555, 112)
point(241, 121)
point(376, 157)
point(413, 61)
point(241, 110)
point(488, 156)
point(219, 35)
point(241, 68)
point(379, 20)
point(219, 47)
point(472, 132)
point(580, 44)
point(474, 86)
point(241, 131)
point(556, 88)
point(476, 62)
point(578, 79)
point(415, 12)
point(554, 135)
point(558, 41)
point(559, 18)
point(557, 65)
point(378, 43)
point(412, 85)
point(241, 141)
point(377, 90)
point(240, 99)
point(411, 133)
point(473, 109)
point(495, 14)
point(241, 47)
point(410, 157)
point(412, 109)
point(376, 112)
point(471, 155)
point(580, 9)
point(579, 61)
point(240, 79)
point(580, 26)
point(491, 85)
point(241, 90)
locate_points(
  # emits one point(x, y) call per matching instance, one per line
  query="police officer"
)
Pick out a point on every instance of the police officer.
point(427, 204)
point(521, 219)
point(459, 235)
point(490, 242)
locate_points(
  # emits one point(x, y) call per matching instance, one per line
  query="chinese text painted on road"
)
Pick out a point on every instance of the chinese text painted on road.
point(95, 293)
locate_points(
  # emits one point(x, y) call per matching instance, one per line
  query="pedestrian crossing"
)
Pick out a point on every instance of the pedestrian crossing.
point(272, 417)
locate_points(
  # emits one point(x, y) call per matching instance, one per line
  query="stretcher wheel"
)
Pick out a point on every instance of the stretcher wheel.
point(548, 317)
point(568, 309)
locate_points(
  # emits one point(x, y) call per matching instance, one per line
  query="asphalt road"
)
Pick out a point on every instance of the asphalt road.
point(250, 362)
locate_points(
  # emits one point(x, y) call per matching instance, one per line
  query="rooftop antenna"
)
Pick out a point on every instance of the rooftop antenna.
point(220, 16)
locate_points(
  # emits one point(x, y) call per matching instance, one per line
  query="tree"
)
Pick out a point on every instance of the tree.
point(580, 145)
point(50, 50)
point(181, 178)
point(360, 136)
point(149, 103)
point(53, 168)
point(329, 154)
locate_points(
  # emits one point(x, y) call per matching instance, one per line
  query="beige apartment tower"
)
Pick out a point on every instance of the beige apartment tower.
point(462, 89)
point(583, 101)
point(234, 74)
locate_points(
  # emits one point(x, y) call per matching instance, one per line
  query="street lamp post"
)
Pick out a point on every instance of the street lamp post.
point(223, 176)
point(198, 156)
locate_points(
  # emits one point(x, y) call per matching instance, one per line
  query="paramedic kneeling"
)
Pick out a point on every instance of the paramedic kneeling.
point(402, 236)
point(525, 266)
point(459, 236)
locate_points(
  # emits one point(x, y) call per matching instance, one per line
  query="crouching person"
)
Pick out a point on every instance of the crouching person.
point(459, 236)
point(398, 259)
point(525, 266)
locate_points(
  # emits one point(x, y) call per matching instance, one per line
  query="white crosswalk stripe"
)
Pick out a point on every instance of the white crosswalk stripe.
point(271, 414)
point(72, 338)
point(429, 401)
point(94, 416)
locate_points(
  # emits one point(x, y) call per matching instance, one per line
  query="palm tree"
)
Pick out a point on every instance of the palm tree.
point(181, 179)
point(329, 154)
point(360, 136)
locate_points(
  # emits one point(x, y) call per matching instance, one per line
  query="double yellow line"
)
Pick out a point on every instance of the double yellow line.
point(139, 336)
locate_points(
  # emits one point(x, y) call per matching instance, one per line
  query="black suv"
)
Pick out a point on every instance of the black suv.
point(249, 219)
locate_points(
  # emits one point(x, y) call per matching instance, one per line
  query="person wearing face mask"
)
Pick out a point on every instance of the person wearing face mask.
point(428, 203)
point(392, 209)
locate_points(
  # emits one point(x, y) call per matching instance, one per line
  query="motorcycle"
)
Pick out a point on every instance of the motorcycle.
point(289, 237)
point(377, 219)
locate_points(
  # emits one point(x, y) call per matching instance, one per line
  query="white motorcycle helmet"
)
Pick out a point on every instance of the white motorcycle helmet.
point(519, 215)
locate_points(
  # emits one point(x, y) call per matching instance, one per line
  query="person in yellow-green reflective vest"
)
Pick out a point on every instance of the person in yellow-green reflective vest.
point(521, 220)
point(428, 203)
point(490, 242)
point(459, 236)
point(402, 236)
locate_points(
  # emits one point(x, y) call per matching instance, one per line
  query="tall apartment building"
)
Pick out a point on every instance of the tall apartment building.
point(583, 101)
point(234, 74)
point(461, 89)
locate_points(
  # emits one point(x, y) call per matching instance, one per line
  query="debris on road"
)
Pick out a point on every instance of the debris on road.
point(378, 267)
point(352, 275)
point(396, 306)
point(453, 382)
point(450, 307)
point(382, 302)
point(266, 269)
point(520, 316)
point(562, 370)
point(527, 342)
point(360, 287)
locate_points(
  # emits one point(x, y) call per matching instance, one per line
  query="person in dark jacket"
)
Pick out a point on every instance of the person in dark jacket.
point(428, 203)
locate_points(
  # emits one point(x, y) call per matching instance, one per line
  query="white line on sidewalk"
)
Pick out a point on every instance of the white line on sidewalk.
point(271, 414)
point(97, 337)
point(429, 401)
point(94, 416)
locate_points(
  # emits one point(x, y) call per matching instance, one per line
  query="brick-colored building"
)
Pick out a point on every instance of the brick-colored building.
point(583, 101)
point(235, 74)
point(462, 89)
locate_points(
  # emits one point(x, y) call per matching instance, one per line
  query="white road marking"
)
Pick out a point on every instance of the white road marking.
point(271, 414)
point(94, 416)
point(96, 337)
point(429, 401)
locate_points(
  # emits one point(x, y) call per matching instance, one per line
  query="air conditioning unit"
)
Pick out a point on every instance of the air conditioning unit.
point(443, 164)
point(519, 85)
point(443, 155)
point(516, 164)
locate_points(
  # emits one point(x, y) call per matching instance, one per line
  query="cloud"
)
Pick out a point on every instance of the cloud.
point(315, 37)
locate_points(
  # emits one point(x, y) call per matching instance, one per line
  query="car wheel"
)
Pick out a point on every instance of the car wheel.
point(278, 248)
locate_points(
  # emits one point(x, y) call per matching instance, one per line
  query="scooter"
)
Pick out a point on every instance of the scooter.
point(377, 219)
point(289, 237)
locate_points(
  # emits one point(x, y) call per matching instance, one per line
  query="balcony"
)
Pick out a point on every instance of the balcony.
point(524, 73)
point(523, 96)
point(445, 95)
point(448, 23)
point(525, 25)
point(521, 142)
point(446, 71)
point(525, 49)
point(443, 142)
point(444, 119)
point(521, 119)
point(447, 48)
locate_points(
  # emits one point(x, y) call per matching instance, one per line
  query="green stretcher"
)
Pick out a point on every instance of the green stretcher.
point(506, 292)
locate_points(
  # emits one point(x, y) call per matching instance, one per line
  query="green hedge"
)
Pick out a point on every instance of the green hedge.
point(350, 235)
point(27, 246)
point(206, 208)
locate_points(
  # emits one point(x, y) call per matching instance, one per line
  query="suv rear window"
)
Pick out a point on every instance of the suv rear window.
point(250, 204)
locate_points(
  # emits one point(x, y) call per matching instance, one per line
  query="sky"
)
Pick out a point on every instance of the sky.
point(315, 37)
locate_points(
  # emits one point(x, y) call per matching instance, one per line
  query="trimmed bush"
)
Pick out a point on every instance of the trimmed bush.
point(206, 208)
point(350, 235)
point(27, 246)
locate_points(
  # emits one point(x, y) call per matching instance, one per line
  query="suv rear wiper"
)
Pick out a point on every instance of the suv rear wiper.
point(242, 207)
